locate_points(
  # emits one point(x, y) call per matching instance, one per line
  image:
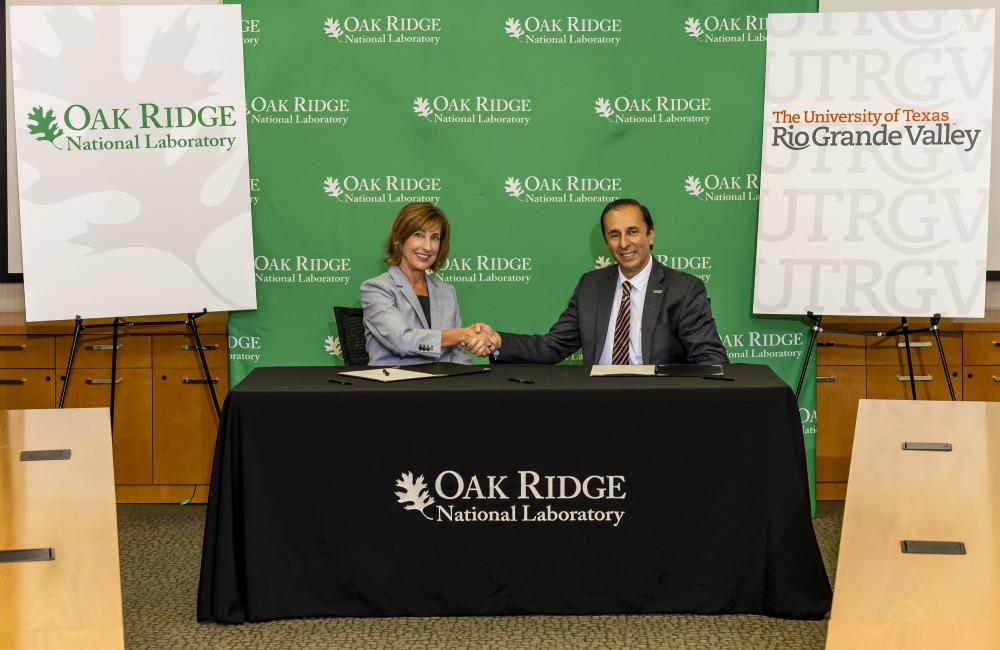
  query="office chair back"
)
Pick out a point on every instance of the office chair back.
point(351, 327)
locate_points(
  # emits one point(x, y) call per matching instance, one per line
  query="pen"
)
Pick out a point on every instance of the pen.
point(343, 382)
point(385, 372)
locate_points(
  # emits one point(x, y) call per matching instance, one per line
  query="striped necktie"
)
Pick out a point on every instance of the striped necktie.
point(623, 328)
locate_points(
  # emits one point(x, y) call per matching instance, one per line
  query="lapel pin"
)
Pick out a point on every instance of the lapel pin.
point(657, 290)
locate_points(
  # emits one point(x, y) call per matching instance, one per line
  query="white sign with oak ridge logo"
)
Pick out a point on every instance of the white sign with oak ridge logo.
point(132, 160)
point(524, 497)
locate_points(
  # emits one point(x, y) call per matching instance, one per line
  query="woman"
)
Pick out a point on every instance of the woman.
point(410, 316)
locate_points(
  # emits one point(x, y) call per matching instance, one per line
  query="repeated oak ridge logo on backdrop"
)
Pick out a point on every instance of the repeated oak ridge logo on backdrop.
point(251, 32)
point(245, 348)
point(697, 265)
point(478, 110)
point(565, 30)
point(302, 269)
point(659, 109)
point(724, 187)
point(383, 189)
point(727, 30)
point(480, 268)
point(524, 497)
point(297, 110)
point(563, 189)
point(384, 30)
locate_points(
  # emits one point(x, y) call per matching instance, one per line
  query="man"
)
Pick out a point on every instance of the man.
point(638, 312)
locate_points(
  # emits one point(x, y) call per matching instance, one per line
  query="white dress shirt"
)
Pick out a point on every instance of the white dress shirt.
point(636, 299)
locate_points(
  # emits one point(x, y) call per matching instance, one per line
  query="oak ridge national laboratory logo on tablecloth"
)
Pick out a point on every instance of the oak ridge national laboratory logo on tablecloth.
point(132, 160)
point(854, 104)
point(524, 497)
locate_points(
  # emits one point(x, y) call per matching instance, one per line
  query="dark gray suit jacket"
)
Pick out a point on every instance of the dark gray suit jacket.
point(677, 323)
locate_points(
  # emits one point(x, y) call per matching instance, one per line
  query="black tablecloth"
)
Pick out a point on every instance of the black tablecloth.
point(711, 497)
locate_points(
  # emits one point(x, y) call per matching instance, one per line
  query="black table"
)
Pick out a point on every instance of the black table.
point(700, 502)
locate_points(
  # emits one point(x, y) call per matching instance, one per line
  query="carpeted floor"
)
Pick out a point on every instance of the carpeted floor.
point(161, 554)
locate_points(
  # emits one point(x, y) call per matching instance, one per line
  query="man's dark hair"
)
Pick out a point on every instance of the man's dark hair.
point(620, 203)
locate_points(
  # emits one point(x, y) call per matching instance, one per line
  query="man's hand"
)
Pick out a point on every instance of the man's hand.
point(490, 335)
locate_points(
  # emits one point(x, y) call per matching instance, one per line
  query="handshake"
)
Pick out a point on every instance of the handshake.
point(480, 339)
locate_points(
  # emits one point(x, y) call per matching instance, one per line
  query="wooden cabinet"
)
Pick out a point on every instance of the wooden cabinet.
point(132, 435)
point(981, 348)
point(893, 382)
point(840, 350)
point(27, 388)
point(981, 383)
point(851, 367)
point(184, 417)
point(840, 383)
point(891, 350)
point(165, 424)
point(838, 389)
point(19, 351)
point(94, 351)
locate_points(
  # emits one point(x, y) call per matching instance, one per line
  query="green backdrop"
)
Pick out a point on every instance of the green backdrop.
point(522, 120)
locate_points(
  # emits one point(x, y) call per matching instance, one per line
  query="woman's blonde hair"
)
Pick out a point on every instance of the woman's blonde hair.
point(411, 218)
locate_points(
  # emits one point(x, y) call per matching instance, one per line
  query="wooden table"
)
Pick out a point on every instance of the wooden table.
point(886, 599)
point(73, 601)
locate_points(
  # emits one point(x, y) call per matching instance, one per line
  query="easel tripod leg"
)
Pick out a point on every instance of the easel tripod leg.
point(77, 327)
point(114, 371)
point(944, 361)
point(193, 324)
point(808, 355)
point(909, 358)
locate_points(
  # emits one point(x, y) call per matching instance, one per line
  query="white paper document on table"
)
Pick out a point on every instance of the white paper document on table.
point(388, 374)
point(623, 371)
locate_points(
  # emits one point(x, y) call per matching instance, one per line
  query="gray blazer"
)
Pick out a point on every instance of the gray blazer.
point(677, 323)
point(396, 331)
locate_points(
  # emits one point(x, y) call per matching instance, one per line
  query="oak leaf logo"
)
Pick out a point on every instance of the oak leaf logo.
point(332, 346)
point(332, 187)
point(43, 124)
point(692, 185)
point(414, 492)
point(603, 107)
point(602, 262)
point(513, 28)
point(331, 26)
point(422, 107)
point(693, 27)
point(513, 187)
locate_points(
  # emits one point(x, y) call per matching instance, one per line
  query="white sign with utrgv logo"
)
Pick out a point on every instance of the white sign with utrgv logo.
point(132, 160)
point(875, 171)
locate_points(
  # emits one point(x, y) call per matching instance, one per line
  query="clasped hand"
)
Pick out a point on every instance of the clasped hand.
point(480, 339)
